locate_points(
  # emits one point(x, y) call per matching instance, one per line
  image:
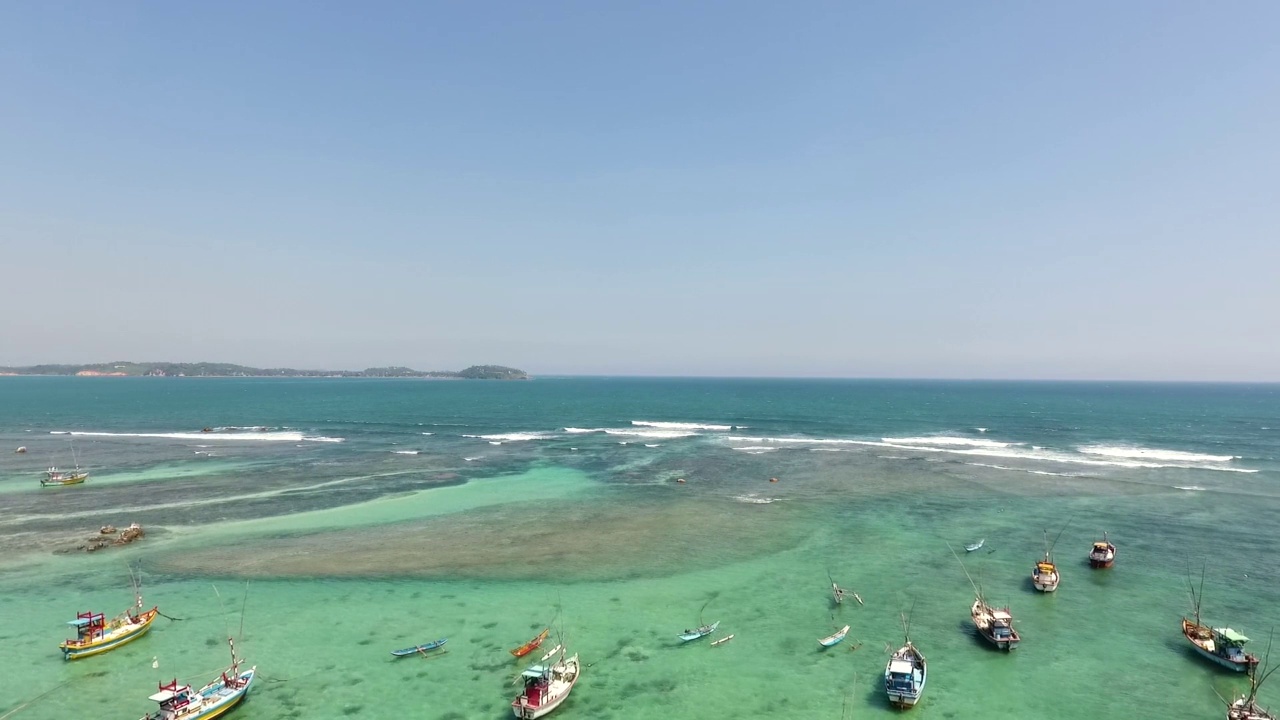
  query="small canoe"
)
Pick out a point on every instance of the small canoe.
point(532, 645)
point(553, 651)
point(701, 632)
point(721, 641)
point(420, 648)
point(975, 546)
point(834, 638)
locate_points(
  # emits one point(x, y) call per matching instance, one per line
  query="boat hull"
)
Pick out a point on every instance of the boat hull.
point(700, 633)
point(906, 692)
point(1045, 582)
point(71, 651)
point(420, 648)
point(1189, 630)
point(73, 480)
point(834, 639)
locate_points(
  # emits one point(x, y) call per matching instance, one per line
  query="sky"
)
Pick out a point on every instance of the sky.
point(850, 189)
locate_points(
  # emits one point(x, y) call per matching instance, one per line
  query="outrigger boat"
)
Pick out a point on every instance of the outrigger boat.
point(532, 645)
point(1103, 553)
point(1223, 646)
point(95, 634)
point(835, 637)
point(546, 687)
point(837, 593)
point(420, 648)
point(975, 546)
point(181, 702)
point(906, 672)
point(701, 632)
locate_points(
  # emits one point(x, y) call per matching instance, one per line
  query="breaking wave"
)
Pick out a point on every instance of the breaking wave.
point(1122, 451)
point(679, 425)
point(513, 437)
point(269, 436)
point(660, 433)
point(1013, 451)
point(405, 452)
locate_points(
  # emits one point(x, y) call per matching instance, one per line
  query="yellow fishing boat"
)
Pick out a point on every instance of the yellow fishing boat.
point(95, 634)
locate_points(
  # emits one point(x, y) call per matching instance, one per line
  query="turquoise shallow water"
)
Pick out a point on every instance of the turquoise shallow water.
point(325, 510)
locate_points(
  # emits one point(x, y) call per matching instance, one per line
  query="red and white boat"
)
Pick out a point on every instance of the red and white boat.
point(546, 687)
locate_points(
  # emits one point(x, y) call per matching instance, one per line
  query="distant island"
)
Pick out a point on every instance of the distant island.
point(168, 369)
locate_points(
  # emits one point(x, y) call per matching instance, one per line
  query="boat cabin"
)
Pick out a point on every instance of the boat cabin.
point(536, 680)
point(173, 698)
point(903, 676)
point(88, 624)
point(1001, 625)
point(1230, 644)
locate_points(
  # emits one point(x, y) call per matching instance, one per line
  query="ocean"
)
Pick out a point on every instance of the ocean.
point(326, 522)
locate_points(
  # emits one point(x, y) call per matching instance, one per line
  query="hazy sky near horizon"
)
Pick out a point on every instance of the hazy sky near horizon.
point(986, 189)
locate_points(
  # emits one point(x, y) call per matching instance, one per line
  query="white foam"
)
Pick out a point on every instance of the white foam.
point(513, 437)
point(679, 425)
point(753, 500)
point(1014, 451)
point(64, 432)
point(948, 441)
point(1127, 451)
point(1025, 470)
point(756, 449)
point(470, 459)
point(981, 429)
point(651, 445)
point(661, 434)
point(428, 433)
point(1196, 488)
point(321, 438)
point(405, 452)
point(495, 442)
point(277, 436)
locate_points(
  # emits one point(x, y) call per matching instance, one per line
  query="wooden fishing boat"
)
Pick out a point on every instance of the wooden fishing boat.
point(1044, 576)
point(1102, 554)
point(994, 624)
point(546, 687)
point(905, 676)
point(420, 648)
point(837, 593)
point(220, 696)
point(1223, 646)
point(1246, 706)
point(95, 634)
point(721, 641)
point(975, 546)
point(835, 637)
point(532, 645)
point(700, 632)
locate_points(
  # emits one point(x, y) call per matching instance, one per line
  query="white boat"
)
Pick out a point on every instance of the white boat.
point(546, 687)
point(835, 637)
point(975, 546)
point(905, 675)
point(181, 702)
point(994, 624)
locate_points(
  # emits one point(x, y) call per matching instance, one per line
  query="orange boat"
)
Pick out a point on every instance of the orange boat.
point(530, 646)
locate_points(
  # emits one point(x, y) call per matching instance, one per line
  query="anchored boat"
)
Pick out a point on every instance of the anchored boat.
point(1044, 576)
point(182, 702)
point(906, 672)
point(532, 645)
point(995, 624)
point(700, 632)
point(95, 634)
point(546, 687)
point(420, 648)
point(1103, 553)
point(835, 637)
point(1223, 646)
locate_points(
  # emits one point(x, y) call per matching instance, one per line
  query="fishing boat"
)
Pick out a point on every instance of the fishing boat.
point(994, 624)
point(95, 634)
point(224, 693)
point(551, 652)
point(905, 674)
point(532, 645)
point(837, 593)
point(700, 632)
point(546, 687)
point(1102, 554)
point(420, 648)
point(1246, 706)
point(1223, 646)
point(53, 477)
point(1044, 576)
point(975, 546)
point(834, 638)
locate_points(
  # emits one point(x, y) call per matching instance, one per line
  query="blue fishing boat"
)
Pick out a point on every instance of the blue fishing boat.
point(700, 632)
point(420, 648)
point(835, 637)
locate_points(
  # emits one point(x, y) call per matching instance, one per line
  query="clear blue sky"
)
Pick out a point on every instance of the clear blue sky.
point(986, 189)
